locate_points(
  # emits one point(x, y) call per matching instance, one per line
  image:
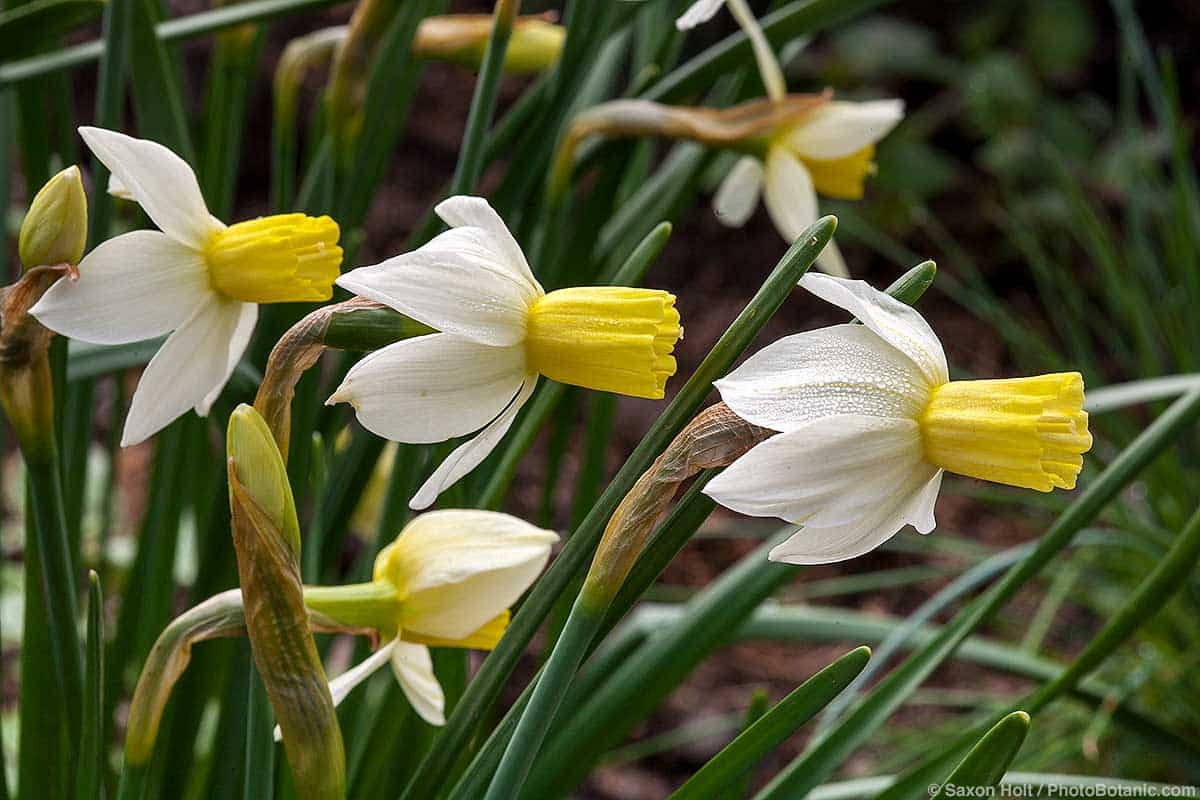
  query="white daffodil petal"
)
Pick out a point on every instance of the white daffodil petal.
point(161, 182)
point(826, 473)
point(118, 189)
point(840, 128)
point(239, 340)
point(413, 667)
point(738, 194)
point(789, 194)
point(432, 388)
point(462, 211)
point(343, 684)
point(812, 545)
point(698, 13)
point(899, 324)
point(458, 283)
point(132, 287)
point(830, 261)
point(460, 569)
point(842, 369)
point(190, 368)
point(922, 509)
point(469, 455)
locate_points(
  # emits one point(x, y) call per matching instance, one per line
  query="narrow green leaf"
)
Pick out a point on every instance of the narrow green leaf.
point(36, 26)
point(179, 29)
point(259, 776)
point(773, 728)
point(89, 779)
point(110, 100)
point(991, 756)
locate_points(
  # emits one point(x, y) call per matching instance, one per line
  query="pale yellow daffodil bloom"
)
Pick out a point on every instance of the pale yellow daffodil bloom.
point(447, 580)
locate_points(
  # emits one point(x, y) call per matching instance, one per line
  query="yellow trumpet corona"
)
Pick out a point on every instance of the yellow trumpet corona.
point(1027, 432)
point(609, 338)
point(282, 258)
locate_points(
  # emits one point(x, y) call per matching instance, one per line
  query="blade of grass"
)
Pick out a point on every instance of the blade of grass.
point(89, 780)
point(991, 756)
point(191, 26)
point(763, 736)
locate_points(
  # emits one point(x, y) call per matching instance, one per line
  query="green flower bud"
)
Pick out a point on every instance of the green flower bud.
point(55, 229)
point(261, 474)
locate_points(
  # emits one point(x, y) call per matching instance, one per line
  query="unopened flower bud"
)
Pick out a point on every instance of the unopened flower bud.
point(55, 229)
point(534, 46)
point(261, 476)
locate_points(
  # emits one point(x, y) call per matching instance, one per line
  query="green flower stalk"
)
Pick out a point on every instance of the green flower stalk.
point(51, 242)
point(266, 534)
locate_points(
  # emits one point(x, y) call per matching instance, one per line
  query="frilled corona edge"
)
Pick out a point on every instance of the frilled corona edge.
point(1028, 432)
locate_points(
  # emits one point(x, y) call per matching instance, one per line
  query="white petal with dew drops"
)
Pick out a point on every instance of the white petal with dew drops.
point(190, 368)
point(432, 388)
point(737, 197)
point(811, 545)
point(789, 194)
point(842, 128)
point(842, 369)
point(161, 182)
point(698, 13)
point(458, 283)
point(462, 211)
point(469, 455)
point(413, 667)
point(132, 287)
point(899, 324)
point(459, 569)
point(825, 473)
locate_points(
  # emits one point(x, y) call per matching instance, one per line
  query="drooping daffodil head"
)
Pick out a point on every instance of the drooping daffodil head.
point(498, 331)
point(194, 277)
point(829, 150)
point(446, 581)
point(869, 420)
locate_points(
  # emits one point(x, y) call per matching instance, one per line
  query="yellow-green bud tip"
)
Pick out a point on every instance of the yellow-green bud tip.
point(55, 228)
point(257, 466)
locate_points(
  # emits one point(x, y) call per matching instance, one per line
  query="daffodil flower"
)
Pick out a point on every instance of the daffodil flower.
point(446, 581)
point(829, 151)
point(868, 421)
point(194, 276)
point(499, 330)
